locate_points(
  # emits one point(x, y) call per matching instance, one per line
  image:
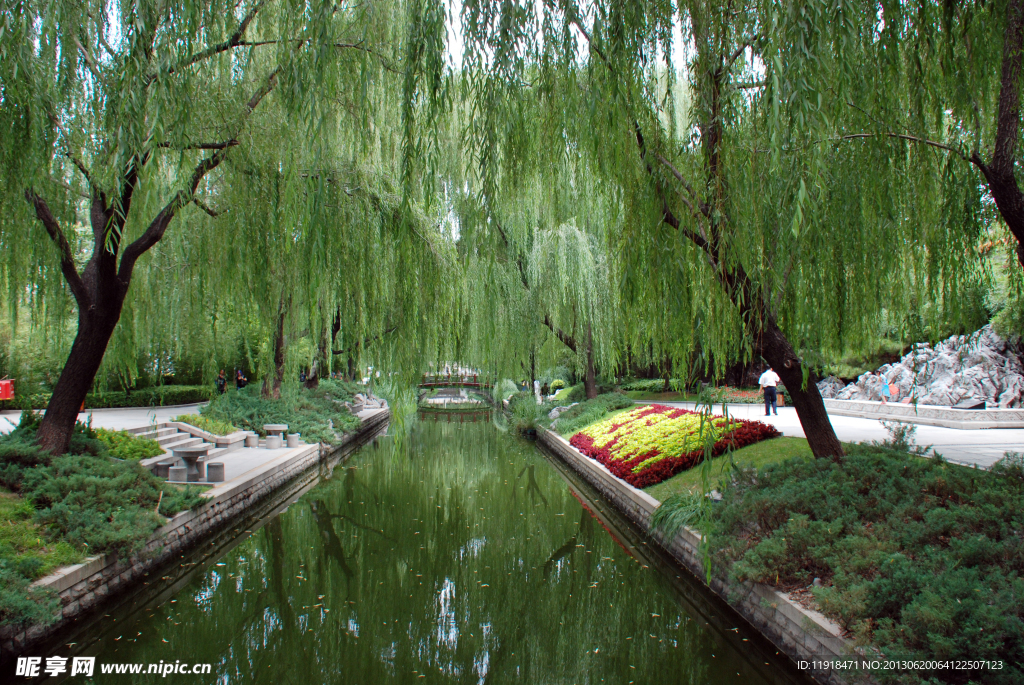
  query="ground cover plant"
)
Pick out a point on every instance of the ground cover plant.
point(917, 557)
point(590, 411)
point(651, 443)
point(319, 414)
point(65, 507)
point(125, 445)
point(207, 423)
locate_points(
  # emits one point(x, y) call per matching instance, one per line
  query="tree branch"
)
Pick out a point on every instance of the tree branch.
point(568, 340)
point(904, 136)
point(233, 41)
point(205, 207)
point(67, 261)
point(88, 60)
point(155, 231)
point(200, 146)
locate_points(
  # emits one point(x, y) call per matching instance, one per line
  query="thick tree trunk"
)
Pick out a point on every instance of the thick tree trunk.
point(273, 389)
point(94, 331)
point(1000, 174)
point(776, 349)
point(590, 379)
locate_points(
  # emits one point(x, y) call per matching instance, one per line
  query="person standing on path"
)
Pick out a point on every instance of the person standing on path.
point(768, 382)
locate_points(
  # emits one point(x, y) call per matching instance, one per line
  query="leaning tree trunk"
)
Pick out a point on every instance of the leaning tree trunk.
point(590, 379)
point(776, 349)
point(94, 331)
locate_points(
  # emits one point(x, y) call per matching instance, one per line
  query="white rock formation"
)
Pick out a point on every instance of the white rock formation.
point(981, 367)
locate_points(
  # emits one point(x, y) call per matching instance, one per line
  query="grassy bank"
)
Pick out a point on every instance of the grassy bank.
point(915, 557)
point(757, 456)
point(61, 509)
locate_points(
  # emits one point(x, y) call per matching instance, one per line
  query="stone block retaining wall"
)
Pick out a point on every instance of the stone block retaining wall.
point(798, 632)
point(83, 587)
point(928, 415)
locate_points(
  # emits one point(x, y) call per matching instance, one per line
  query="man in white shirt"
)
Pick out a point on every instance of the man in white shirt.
point(768, 382)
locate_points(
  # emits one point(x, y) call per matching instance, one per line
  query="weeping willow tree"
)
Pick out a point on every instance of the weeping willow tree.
point(538, 278)
point(128, 123)
point(746, 231)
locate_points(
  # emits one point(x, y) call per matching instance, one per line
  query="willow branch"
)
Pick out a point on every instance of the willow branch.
point(205, 207)
point(88, 60)
point(904, 136)
point(200, 146)
point(233, 41)
point(568, 340)
point(67, 260)
point(367, 341)
point(155, 231)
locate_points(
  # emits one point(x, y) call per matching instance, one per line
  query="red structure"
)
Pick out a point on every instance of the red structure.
point(6, 389)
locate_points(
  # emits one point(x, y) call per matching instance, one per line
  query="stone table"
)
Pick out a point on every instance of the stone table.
point(191, 456)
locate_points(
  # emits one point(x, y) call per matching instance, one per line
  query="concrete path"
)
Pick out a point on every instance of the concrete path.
point(117, 419)
point(981, 447)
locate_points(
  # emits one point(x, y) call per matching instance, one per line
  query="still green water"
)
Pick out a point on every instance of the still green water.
point(463, 556)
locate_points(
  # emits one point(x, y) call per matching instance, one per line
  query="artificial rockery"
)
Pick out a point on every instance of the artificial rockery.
point(756, 214)
point(214, 173)
point(963, 369)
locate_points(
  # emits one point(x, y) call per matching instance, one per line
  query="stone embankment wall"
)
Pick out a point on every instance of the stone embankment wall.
point(84, 587)
point(798, 632)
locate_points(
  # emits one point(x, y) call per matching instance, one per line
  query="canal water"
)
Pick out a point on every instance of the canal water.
point(461, 555)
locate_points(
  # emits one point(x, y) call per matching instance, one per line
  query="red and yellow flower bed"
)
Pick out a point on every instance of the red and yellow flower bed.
point(652, 443)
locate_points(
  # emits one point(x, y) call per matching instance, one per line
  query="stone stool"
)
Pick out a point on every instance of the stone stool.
point(177, 474)
point(273, 442)
point(161, 470)
point(252, 439)
point(293, 439)
point(215, 472)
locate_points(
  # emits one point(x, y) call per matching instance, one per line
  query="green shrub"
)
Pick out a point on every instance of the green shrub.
point(647, 385)
point(577, 393)
point(78, 503)
point(918, 557)
point(585, 413)
point(125, 445)
point(506, 388)
point(557, 385)
point(210, 425)
point(318, 414)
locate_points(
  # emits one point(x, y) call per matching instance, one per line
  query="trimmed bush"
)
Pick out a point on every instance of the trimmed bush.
point(125, 445)
point(206, 423)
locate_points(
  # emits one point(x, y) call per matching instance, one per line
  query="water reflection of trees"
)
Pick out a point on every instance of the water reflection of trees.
point(432, 565)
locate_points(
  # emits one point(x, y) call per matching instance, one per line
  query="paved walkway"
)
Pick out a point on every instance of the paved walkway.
point(117, 419)
point(982, 447)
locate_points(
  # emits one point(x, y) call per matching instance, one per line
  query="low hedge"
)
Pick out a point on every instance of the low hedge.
point(160, 396)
